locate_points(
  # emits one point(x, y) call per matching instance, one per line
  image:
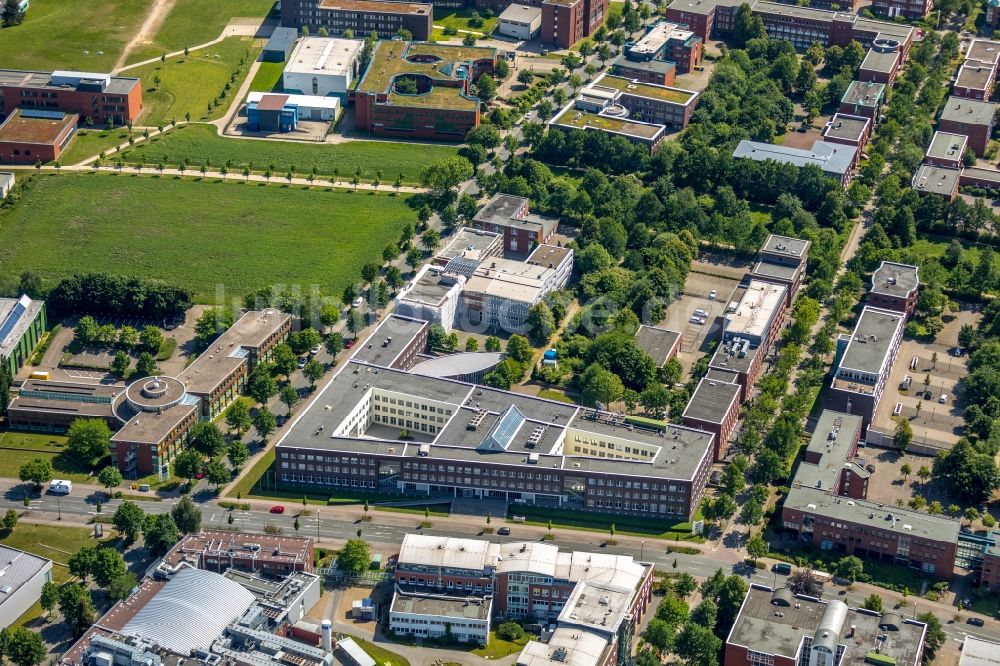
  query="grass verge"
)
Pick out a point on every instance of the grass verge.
point(89, 143)
point(381, 656)
point(624, 525)
point(268, 77)
point(499, 648)
point(17, 448)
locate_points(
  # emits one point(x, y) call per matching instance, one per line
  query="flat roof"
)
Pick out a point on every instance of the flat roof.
point(503, 209)
point(56, 397)
point(775, 270)
point(470, 243)
point(864, 94)
point(975, 75)
point(22, 126)
point(377, 6)
point(731, 357)
point(463, 363)
point(872, 340)
point(5, 178)
point(520, 13)
point(935, 179)
point(510, 279)
point(400, 330)
point(17, 568)
point(984, 50)
point(303, 101)
point(712, 401)
point(584, 120)
point(549, 256)
point(61, 80)
point(325, 55)
point(460, 608)
point(989, 175)
point(880, 61)
point(831, 440)
point(657, 37)
point(895, 279)
point(979, 652)
point(756, 310)
point(658, 343)
point(567, 646)
point(847, 127)
point(654, 65)
point(16, 316)
point(832, 158)
point(786, 246)
point(391, 58)
point(152, 427)
point(946, 146)
point(648, 90)
point(273, 548)
point(780, 628)
point(968, 111)
point(431, 287)
point(281, 39)
point(781, 9)
point(597, 607)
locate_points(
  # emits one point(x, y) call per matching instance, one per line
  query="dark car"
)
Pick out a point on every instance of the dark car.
point(783, 568)
point(975, 621)
point(504, 531)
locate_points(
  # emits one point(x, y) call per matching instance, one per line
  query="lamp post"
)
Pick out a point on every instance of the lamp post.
point(59, 506)
point(642, 546)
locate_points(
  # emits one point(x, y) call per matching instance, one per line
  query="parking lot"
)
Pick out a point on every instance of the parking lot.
point(887, 485)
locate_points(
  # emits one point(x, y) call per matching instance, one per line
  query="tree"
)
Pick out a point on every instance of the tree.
point(756, 547)
point(905, 470)
point(88, 441)
point(217, 473)
point(706, 613)
point(107, 565)
point(49, 597)
point(600, 385)
point(261, 386)
point(355, 557)
point(443, 175)
point(264, 422)
point(284, 360)
point(525, 77)
point(188, 464)
point(471, 345)
point(186, 516)
point(238, 454)
point(850, 568)
point(486, 87)
point(12, 14)
point(206, 438)
point(430, 240)
point(212, 323)
point(37, 471)
point(120, 363)
point(746, 26)
point(492, 344)
point(9, 521)
point(697, 645)
point(238, 416)
point(672, 610)
point(873, 602)
point(541, 323)
point(110, 477)
point(24, 646)
point(659, 635)
point(77, 608)
point(934, 637)
point(509, 631)
point(903, 434)
point(145, 365)
point(289, 395)
point(752, 511)
point(334, 344)
point(160, 533)
point(804, 581)
point(121, 587)
point(127, 520)
point(81, 563)
point(313, 370)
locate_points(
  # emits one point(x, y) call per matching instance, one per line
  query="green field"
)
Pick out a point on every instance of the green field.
point(55, 34)
point(198, 234)
point(198, 142)
point(268, 77)
point(193, 22)
point(91, 142)
point(190, 83)
point(17, 448)
point(449, 17)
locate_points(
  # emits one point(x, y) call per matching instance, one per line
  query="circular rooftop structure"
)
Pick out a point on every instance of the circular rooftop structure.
point(466, 366)
point(154, 394)
point(885, 45)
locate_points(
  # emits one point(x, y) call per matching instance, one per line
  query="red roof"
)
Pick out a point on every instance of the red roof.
point(272, 102)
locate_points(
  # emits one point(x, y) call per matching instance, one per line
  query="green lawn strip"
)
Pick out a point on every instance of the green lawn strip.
point(193, 22)
point(381, 656)
point(56, 33)
point(499, 648)
point(414, 510)
point(449, 17)
point(189, 84)
point(90, 143)
point(17, 448)
point(197, 234)
point(55, 543)
point(249, 481)
point(643, 422)
point(555, 394)
point(268, 77)
point(198, 142)
point(624, 525)
point(167, 350)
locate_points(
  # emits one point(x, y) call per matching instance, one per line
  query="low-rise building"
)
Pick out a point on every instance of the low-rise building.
point(780, 628)
point(894, 287)
point(432, 296)
point(22, 325)
point(278, 112)
point(971, 118)
point(946, 150)
point(660, 344)
point(830, 462)
point(279, 45)
point(943, 181)
point(849, 131)
point(835, 160)
point(667, 42)
point(714, 406)
point(465, 619)
point(657, 72)
point(323, 67)
point(738, 361)
point(52, 406)
point(362, 17)
point(274, 556)
point(24, 576)
point(880, 65)
point(615, 123)
point(468, 248)
point(863, 361)
point(522, 22)
point(647, 102)
point(28, 136)
point(863, 98)
point(510, 216)
point(987, 179)
point(99, 97)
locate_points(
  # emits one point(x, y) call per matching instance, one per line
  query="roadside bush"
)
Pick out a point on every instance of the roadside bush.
point(510, 631)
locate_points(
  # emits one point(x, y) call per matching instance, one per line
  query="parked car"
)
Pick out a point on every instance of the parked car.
point(315, 350)
point(357, 302)
point(943, 398)
point(697, 320)
point(783, 568)
point(957, 351)
point(143, 487)
point(712, 295)
point(302, 362)
point(975, 621)
point(928, 395)
point(199, 475)
point(349, 343)
point(504, 531)
point(278, 508)
point(702, 313)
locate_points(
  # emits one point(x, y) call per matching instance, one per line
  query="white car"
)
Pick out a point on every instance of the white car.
point(315, 350)
point(712, 295)
point(943, 399)
point(701, 313)
point(357, 302)
point(697, 320)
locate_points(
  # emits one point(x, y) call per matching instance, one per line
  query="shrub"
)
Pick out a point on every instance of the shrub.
point(510, 631)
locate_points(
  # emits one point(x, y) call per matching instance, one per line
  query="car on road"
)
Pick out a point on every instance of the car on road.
point(504, 531)
point(358, 302)
point(975, 621)
point(712, 295)
point(315, 350)
point(302, 362)
point(278, 508)
point(199, 475)
point(783, 568)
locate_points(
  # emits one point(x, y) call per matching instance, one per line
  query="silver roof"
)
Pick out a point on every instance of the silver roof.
point(17, 568)
point(872, 340)
point(935, 179)
point(832, 158)
point(968, 111)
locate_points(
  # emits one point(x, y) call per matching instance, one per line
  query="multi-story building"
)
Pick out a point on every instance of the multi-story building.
point(835, 160)
point(908, 9)
point(96, 98)
point(660, 344)
point(894, 287)
point(992, 14)
point(474, 441)
point(758, 315)
point(29, 136)
point(433, 296)
point(778, 628)
point(24, 576)
point(830, 462)
point(501, 292)
point(52, 406)
point(946, 150)
point(442, 106)
point(323, 66)
point(661, 105)
point(989, 574)
point(510, 216)
point(564, 22)
point(714, 406)
point(361, 17)
point(274, 556)
point(468, 248)
point(465, 619)
point(863, 98)
point(667, 42)
point(783, 260)
point(610, 121)
point(971, 118)
point(943, 181)
point(974, 80)
point(657, 72)
point(737, 361)
point(863, 361)
point(849, 131)
point(881, 64)
point(22, 324)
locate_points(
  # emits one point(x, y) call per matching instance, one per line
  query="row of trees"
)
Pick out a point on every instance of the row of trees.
point(101, 293)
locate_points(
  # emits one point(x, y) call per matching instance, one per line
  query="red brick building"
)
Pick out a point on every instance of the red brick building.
point(909, 9)
point(362, 17)
point(714, 406)
point(262, 554)
point(894, 287)
point(97, 97)
point(509, 215)
point(28, 136)
point(969, 117)
point(990, 573)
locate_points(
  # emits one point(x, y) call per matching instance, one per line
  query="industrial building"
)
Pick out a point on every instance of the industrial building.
point(278, 112)
point(323, 67)
point(28, 136)
point(279, 45)
point(362, 17)
point(274, 556)
point(510, 216)
point(97, 97)
point(22, 324)
point(779, 628)
point(835, 160)
point(23, 575)
point(522, 22)
point(894, 287)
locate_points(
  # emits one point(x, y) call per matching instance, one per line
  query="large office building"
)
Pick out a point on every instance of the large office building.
point(501, 292)
point(438, 102)
point(594, 601)
point(511, 217)
point(563, 22)
point(361, 17)
point(24, 576)
point(908, 9)
point(778, 628)
point(465, 440)
point(667, 42)
point(98, 97)
point(433, 296)
point(22, 324)
point(322, 66)
point(863, 361)
point(835, 160)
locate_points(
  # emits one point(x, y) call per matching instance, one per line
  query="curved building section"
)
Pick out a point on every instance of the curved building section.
point(464, 367)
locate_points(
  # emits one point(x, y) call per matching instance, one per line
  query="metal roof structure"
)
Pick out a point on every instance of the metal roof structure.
point(834, 159)
point(979, 652)
point(191, 611)
point(17, 568)
point(454, 365)
point(15, 318)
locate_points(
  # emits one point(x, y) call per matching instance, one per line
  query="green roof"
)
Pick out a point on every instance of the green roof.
point(584, 119)
point(437, 97)
point(664, 93)
point(879, 659)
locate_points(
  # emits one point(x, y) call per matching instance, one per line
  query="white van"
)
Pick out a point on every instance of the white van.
point(60, 487)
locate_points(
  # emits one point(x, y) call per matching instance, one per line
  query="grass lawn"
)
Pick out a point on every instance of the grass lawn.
point(89, 143)
point(250, 236)
point(555, 394)
point(381, 656)
point(193, 22)
point(415, 511)
point(624, 525)
point(190, 84)
point(449, 17)
point(195, 143)
point(614, 8)
point(499, 648)
point(55, 34)
point(268, 77)
point(17, 448)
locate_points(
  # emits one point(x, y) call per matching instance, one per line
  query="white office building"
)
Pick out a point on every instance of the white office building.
point(520, 22)
point(322, 66)
point(467, 619)
point(433, 296)
point(23, 576)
